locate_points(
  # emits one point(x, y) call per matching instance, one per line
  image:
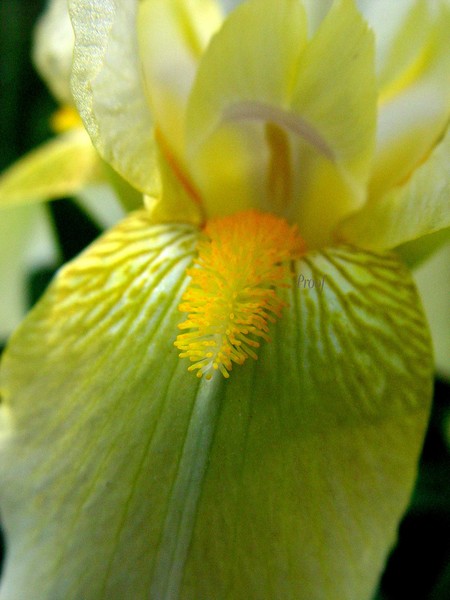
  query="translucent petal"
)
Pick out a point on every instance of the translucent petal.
point(125, 476)
point(400, 28)
point(60, 167)
point(316, 10)
point(418, 208)
point(107, 87)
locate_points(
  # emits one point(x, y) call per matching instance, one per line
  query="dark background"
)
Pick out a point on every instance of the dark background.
point(419, 566)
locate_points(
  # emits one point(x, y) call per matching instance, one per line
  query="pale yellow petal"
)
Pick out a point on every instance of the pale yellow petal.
point(107, 87)
point(292, 122)
point(251, 60)
point(418, 208)
point(335, 93)
point(414, 103)
point(53, 49)
point(433, 283)
point(16, 225)
point(172, 37)
point(58, 168)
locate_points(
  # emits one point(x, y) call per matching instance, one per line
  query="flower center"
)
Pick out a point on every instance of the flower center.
point(232, 297)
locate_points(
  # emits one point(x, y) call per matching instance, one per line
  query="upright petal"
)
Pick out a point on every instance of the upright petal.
point(125, 476)
point(250, 63)
point(172, 37)
point(336, 93)
point(107, 87)
point(275, 108)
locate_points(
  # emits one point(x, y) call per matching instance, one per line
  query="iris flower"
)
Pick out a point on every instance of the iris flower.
point(284, 154)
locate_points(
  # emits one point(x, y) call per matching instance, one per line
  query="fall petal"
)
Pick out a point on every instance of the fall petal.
point(285, 481)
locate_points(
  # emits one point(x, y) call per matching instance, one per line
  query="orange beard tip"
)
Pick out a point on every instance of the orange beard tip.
point(243, 260)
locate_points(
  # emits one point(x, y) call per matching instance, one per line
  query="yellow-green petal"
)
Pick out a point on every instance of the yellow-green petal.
point(107, 87)
point(418, 208)
point(433, 283)
point(60, 167)
point(123, 476)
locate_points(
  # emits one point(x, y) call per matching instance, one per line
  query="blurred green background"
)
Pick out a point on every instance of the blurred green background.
point(419, 566)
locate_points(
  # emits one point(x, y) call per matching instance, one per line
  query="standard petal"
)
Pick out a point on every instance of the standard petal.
point(172, 37)
point(60, 167)
point(249, 66)
point(418, 208)
point(125, 476)
point(107, 87)
point(401, 29)
point(293, 123)
point(336, 94)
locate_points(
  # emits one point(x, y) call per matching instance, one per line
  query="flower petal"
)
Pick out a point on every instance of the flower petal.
point(251, 59)
point(53, 49)
point(125, 476)
point(418, 208)
point(322, 104)
point(172, 36)
point(414, 104)
point(107, 87)
point(336, 93)
point(60, 167)
point(16, 225)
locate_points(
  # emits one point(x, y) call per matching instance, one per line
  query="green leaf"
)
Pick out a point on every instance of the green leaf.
point(123, 475)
